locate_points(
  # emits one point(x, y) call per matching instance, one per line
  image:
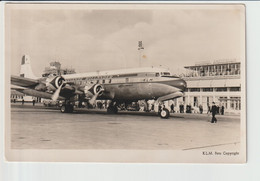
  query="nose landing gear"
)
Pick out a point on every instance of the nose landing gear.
point(164, 113)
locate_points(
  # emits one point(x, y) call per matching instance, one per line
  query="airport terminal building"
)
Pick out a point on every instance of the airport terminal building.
point(219, 81)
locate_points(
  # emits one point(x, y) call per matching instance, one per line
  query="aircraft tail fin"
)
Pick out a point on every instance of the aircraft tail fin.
point(26, 70)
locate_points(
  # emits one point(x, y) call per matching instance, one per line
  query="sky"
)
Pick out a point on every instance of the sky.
point(90, 38)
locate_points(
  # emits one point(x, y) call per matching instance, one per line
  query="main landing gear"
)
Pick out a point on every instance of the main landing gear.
point(67, 107)
point(112, 108)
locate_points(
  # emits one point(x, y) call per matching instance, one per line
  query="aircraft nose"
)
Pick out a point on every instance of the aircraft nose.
point(180, 83)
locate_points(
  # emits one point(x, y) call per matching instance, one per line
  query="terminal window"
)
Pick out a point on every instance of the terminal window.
point(207, 89)
point(194, 89)
point(234, 89)
point(221, 89)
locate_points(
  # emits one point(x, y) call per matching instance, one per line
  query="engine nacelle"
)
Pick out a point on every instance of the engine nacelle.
point(91, 90)
point(98, 89)
point(54, 82)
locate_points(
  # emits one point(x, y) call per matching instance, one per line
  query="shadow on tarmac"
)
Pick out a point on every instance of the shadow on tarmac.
point(40, 109)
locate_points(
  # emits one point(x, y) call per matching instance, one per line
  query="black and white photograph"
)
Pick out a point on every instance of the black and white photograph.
point(160, 83)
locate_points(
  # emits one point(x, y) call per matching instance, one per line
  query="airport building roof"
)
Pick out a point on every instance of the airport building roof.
point(216, 62)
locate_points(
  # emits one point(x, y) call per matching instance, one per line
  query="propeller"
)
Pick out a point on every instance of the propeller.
point(93, 99)
point(56, 94)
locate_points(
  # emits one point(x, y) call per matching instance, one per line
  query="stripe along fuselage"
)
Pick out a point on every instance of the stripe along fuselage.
point(132, 84)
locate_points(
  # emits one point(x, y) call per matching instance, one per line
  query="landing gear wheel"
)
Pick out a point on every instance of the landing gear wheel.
point(63, 109)
point(115, 109)
point(165, 113)
point(66, 109)
point(112, 110)
point(70, 108)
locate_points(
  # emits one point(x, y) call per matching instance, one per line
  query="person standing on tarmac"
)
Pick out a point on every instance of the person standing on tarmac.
point(209, 110)
point(201, 109)
point(222, 110)
point(159, 108)
point(172, 108)
point(213, 111)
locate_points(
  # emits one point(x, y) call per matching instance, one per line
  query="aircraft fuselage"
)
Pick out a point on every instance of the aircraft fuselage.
point(131, 86)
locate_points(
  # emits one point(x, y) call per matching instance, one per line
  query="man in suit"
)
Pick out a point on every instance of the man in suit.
point(213, 111)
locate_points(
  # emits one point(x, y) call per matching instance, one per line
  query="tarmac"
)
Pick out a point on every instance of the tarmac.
point(38, 127)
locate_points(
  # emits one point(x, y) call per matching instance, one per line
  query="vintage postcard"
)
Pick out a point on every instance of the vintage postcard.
point(125, 82)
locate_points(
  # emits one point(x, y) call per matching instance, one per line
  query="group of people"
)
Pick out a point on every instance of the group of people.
point(189, 109)
point(214, 109)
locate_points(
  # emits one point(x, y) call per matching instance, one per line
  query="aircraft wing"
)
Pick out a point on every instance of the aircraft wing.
point(23, 82)
point(44, 88)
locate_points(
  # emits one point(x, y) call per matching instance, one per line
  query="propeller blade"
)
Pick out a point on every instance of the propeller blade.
point(94, 98)
point(56, 94)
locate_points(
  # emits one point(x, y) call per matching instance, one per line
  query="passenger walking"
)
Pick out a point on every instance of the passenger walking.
point(213, 111)
point(33, 102)
point(22, 101)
